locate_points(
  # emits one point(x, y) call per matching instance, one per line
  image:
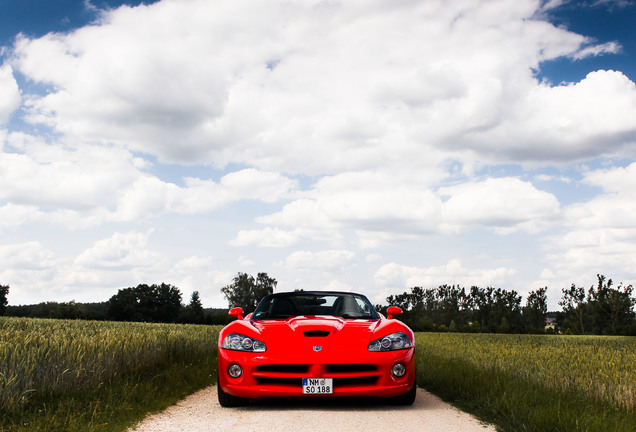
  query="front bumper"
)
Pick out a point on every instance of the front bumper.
point(364, 375)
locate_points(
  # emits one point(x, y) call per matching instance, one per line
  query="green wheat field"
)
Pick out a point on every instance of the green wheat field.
point(77, 375)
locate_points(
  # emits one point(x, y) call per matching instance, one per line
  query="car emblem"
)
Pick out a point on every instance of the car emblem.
point(317, 348)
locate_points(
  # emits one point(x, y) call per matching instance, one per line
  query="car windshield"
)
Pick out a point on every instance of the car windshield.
point(345, 305)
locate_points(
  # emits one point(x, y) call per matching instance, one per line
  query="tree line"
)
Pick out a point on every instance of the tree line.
point(143, 303)
point(602, 309)
point(151, 303)
point(454, 308)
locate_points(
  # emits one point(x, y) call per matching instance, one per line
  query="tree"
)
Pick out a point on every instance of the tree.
point(152, 303)
point(610, 308)
point(574, 308)
point(245, 291)
point(506, 311)
point(4, 301)
point(452, 306)
point(195, 303)
point(535, 310)
point(193, 312)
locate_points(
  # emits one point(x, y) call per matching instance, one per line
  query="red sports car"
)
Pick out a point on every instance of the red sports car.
point(321, 343)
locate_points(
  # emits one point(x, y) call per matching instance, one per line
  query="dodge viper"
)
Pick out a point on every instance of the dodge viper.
point(320, 343)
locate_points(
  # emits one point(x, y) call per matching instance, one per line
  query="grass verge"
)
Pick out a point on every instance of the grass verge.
point(514, 404)
point(114, 406)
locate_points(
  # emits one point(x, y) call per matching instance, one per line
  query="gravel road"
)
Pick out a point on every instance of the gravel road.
point(201, 412)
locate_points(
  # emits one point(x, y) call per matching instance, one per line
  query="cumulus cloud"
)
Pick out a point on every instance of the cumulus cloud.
point(266, 186)
point(382, 209)
point(120, 251)
point(267, 237)
point(600, 235)
point(28, 268)
point(369, 202)
point(40, 173)
point(399, 276)
point(80, 185)
point(358, 124)
point(602, 232)
point(335, 261)
point(152, 196)
point(27, 256)
point(567, 122)
point(503, 204)
point(316, 89)
point(10, 97)
point(12, 216)
point(200, 274)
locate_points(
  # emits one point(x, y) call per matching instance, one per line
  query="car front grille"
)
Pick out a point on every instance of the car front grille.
point(295, 382)
point(348, 368)
point(355, 381)
point(283, 368)
point(344, 375)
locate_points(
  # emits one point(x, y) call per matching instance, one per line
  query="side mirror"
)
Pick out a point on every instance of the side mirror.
point(238, 312)
point(393, 311)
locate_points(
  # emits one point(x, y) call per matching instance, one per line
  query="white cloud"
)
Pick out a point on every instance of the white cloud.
point(601, 233)
point(503, 204)
point(336, 285)
point(89, 184)
point(28, 268)
point(267, 237)
point(615, 180)
point(266, 186)
point(27, 256)
point(152, 196)
point(353, 125)
point(591, 51)
point(371, 203)
point(382, 209)
point(10, 97)
point(121, 251)
point(335, 261)
point(12, 215)
point(316, 89)
point(71, 177)
point(200, 274)
point(400, 277)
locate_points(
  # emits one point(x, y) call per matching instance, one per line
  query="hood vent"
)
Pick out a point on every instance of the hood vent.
point(317, 333)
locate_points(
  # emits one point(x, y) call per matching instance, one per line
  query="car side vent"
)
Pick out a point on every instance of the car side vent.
point(316, 333)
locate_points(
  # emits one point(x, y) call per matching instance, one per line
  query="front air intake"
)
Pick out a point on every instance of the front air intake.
point(317, 333)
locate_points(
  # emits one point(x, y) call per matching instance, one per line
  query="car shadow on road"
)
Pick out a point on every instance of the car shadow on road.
point(333, 404)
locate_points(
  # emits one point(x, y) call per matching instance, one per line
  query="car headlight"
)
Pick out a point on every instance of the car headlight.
point(392, 342)
point(239, 342)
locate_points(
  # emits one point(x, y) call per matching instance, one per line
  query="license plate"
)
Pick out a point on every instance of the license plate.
point(317, 386)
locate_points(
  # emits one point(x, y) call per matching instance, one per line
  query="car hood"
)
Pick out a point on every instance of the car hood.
point(317, 330)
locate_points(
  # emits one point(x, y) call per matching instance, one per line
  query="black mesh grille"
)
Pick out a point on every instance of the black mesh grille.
point(297, 382)
point(348, 368)
point(284, 368)
point(342, 382)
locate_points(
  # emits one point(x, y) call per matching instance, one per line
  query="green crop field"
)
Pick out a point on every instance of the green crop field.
point(45, 362)
point(104, 376)
point(534, 382)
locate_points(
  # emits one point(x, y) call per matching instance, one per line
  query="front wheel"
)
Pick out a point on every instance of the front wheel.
point(407, 398)
point(226, 400)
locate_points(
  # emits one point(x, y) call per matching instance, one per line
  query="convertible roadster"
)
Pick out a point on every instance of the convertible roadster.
point(320, 343)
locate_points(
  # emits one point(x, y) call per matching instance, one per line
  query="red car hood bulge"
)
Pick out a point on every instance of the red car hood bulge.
point(316, 330)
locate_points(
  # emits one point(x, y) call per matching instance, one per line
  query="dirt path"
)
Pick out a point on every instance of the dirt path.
point(201, 412)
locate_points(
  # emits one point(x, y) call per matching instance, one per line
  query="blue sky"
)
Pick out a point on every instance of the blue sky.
point(369, 146)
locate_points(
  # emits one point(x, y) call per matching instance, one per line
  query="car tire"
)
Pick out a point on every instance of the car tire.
point(407, 398)
point(226, 400)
